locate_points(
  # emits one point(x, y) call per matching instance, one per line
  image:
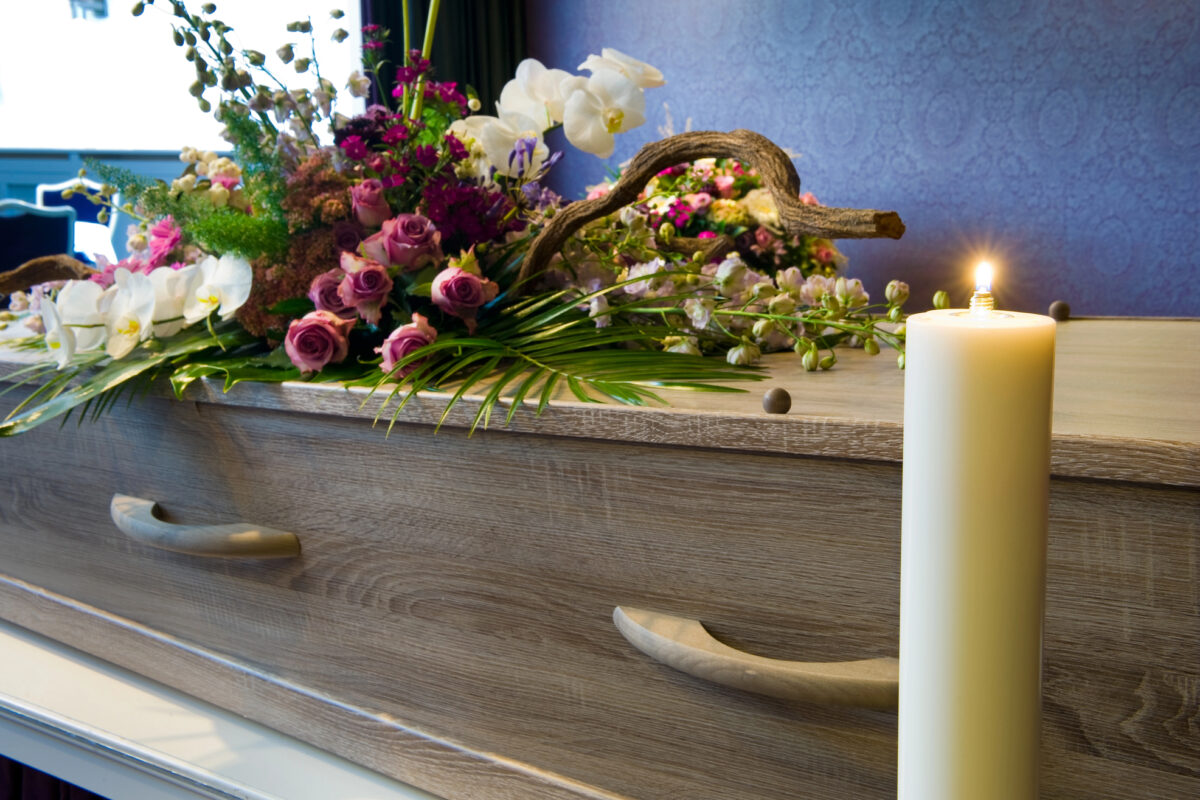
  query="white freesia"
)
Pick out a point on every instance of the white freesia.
point(171, 290)
point(130, 316)
point(79, 306)
point(641, 73)
point(499, 137)
point(535, 92)
point(222, 285)
point(598, 107)
point(60, 340)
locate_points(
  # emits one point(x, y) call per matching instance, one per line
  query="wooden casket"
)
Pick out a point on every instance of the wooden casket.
point(448, 620)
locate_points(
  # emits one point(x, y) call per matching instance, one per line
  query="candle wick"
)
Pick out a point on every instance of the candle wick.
point(982, 301)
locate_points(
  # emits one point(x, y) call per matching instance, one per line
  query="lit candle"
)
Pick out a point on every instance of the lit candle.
point(977, 395)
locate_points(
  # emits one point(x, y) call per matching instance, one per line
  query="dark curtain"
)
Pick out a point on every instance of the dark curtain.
point(19, 782)
point(476, 42)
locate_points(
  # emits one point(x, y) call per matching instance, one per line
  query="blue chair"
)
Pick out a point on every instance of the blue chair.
point(92, 236)
point(28, 231)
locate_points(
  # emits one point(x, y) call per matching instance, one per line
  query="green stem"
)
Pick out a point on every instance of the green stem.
point(426, 49)
point(405, 60)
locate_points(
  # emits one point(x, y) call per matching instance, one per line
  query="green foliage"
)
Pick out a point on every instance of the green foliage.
point(226, 230)
point(262, 171)
point(128, 182)
point(540, 344)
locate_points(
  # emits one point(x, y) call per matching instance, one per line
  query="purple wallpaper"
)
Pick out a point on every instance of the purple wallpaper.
point(1062, 139)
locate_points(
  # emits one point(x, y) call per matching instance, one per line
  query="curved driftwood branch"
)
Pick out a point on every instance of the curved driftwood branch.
point(774, 165)
point(43, 270)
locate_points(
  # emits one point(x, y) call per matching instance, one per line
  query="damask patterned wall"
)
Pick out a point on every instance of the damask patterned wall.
point(1062, 138)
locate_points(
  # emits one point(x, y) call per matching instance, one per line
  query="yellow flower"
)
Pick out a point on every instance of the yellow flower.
point(729, 212)
point(760, 205)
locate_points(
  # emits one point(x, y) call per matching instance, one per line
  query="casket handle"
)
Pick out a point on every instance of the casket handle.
point(685, 645)
point(135, 518)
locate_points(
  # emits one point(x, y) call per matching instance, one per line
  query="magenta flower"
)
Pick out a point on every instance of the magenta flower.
point(368, 203)
point(459, 292)
point(365, 287)
point(317, 339)
point(354, 147)
point(324, 293)
point(164, 237)
point(409, 241)
point(403, 341)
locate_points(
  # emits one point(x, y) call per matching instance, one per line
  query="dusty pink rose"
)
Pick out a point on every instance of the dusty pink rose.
point(459, 292)
point(698, 200)
point(403, 341)
point(724, 184)
point(369, 206)
point(316, 339)
point(809, 199)
point(599, 190)
point(365, 287)
point(409, 241)
point(323, 291)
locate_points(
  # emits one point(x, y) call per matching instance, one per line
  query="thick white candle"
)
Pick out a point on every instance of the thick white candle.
point(977, 397)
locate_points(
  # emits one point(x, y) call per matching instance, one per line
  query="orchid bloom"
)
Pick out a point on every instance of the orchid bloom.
point(171, 290)
point(221, 285)
point(130, 315)
point(502, 136)
point(79, 306)
point(598, 107)
point(641, 73)
point(535, 92)
point(59, 339)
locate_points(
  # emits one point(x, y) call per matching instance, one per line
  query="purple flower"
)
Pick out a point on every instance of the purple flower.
point(316, 339)
point(461, 293)
point(457, 150)
point(324, 293)
point(368, 203)
point(365, 287)
point(410, 241)
point(394, 134)
point(405, 340)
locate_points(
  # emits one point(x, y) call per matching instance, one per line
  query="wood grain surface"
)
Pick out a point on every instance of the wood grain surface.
point(1125, 406)
point(448, 622)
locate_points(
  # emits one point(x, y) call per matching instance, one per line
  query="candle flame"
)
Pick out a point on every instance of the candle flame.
point(983, 277)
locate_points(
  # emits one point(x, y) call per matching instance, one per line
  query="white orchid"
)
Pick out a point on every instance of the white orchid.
point(469, 131)
point(598, 107)
point(130, 313)
point(79, 306)
point(221, 285)
point(500, 137)
point(535, 92)
point(60, 339)
point(171, 290)
point(641, 73)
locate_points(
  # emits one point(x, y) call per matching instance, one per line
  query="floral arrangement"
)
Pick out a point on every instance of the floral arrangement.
point(388, 253)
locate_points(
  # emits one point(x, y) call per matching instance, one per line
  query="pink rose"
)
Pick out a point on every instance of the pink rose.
point(724, 184)
point(316, 339)
point(809, 199)
point(461, 293)
point(324, 293)
point(365, 287)
point(699, 200)
point(405, 340)
point(409, 241)
point(369, 206)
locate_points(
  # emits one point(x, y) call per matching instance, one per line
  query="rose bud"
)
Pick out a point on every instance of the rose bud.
point(405, 340)
point(316, 339)
point(369, 206)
